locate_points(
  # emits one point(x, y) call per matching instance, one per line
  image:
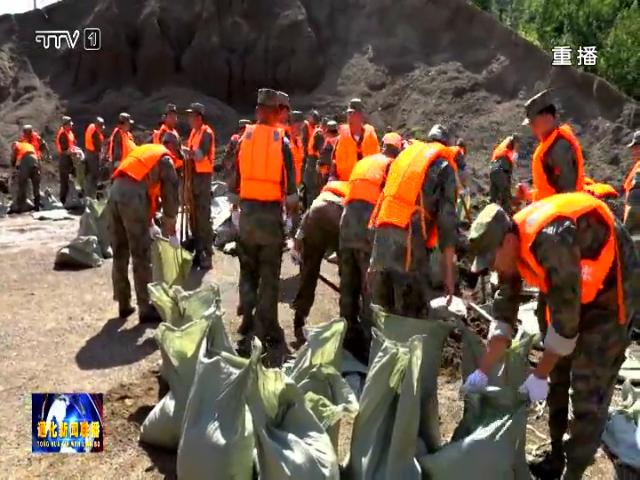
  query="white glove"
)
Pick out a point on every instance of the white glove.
point(476, 381)
point(235, 218)
point(154, 231)
point(174, 242)
point(537, 388)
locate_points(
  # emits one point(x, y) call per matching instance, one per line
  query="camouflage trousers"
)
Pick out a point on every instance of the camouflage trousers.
point(312, 253)
point(27, 174)
point(129, 235)
point(66, 170)
point(401, 292)
point(501, 195)
point(259, 287)
point(92, 174)
point(590, 373)
point(201, 226)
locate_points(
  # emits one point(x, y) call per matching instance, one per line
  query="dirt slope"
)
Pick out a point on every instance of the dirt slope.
point(414, 62)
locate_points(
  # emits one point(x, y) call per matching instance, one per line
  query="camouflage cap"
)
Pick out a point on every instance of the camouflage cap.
point(315, 116)
point(243, 122)
point(296, 116)
point(196, 108)
point(486, 234)
point(355, 105)
point(635, 140)
point(439, 133)
point(332, 126)
point(536, 104)
point(267, 97)
point(283, 99)
point(66, 119)
point(170, 108)
point(124, 117)
point(27, 128)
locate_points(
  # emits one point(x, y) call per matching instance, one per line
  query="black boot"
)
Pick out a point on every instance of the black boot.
point(548, 465)
point(125, 310)
point(150, 315)
point(298, 330)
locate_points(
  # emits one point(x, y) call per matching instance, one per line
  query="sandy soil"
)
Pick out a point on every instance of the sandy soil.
point(58, 333)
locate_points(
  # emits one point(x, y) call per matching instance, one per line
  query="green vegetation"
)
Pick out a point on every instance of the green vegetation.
point(609, 25)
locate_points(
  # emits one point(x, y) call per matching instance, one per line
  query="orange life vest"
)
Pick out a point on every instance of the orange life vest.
point(365, 182)
point(261, 163)
point(533, 218)
point(540, 182)
point(70, 136)
point(206, 164)
point(297, 150)
point(35, 140)
point(628, 182)
point(22, 149)
point(601, 190)
point(402, 193)
point(138, 163)
point(127, 143)
point(337, 187)
point(502, 151)
point(452, 157)
point(310, 150)
point(88, 138)
point(348, 151)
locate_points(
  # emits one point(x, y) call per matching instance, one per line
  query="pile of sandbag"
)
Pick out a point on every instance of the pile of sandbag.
point(622, 432)
point(232, 418)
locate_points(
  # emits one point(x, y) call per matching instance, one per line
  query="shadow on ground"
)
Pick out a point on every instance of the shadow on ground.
point(114, 347)
point(164, 461)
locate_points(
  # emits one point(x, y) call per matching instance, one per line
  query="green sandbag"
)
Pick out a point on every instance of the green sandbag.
point(401, 329)
point(316, 371)
point(217, 439)
point(179, 307)
point(170, 265)
point(290, 442)
point(81, 252)
point(94, 221)
point(384, 442)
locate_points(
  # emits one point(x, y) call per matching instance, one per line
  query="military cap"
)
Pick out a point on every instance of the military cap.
point(439, 133)
point(100, 120)
point(170, 108)
point(296, 116)
point(66, 119)
point(243, 122)
point(195, 108)
point(486, 235)
point(393, 139)
point(267, 97)
point(332, 126)
point(536, 104)
point(355, 105)
point(315, 116)
point(27, 128)
point(283, 99)
point(635, 140)
point(124, 117)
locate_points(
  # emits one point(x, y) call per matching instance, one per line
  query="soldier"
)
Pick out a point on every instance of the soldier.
point(224, 170)
point(167, 132)
point(93, 140)
point(34, 138)
point(356, 241)
point(582, 259)
point(297, 144)
point(264, 178)
point(145, 176)
point(331, 137)
point(357, 140)
point(557, 165)
point(121, 141)
point(503, 161)
point(415, 212)
point(311, 123)
point(202, 151)
point(283, 112)
point(311, 174)
point(24, 158)
point(318, 234)
point(65, 142)
point(631, 188)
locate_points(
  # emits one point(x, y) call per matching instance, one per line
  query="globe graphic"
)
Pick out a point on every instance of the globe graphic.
point(66, 408)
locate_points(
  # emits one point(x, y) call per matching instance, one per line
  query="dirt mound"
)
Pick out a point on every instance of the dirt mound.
point(414, 63)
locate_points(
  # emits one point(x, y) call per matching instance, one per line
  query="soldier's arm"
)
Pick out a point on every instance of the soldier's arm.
point(333, 171)
point(291, 190)
point(175, 142)
point(556, 248)
point(447, 220)
point(168, 187)
point(231, 149)
point(117, 148)
point(561, 166)
point(234, 191)
point(14, 156)
point(42, 146)
point(97, 142)
point(64, 144)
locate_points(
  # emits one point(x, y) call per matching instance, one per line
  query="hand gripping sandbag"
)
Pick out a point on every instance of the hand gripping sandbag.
point(290, 442)
point(179, 350)
point(95, 222)
point(316, 371)
point(401, 329)
point(169, 265)
point(384, 442)
point(217, 439)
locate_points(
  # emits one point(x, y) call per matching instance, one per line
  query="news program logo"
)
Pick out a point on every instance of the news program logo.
point(67, 423)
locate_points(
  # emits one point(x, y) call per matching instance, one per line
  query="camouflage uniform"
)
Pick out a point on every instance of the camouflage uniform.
point(319, 233)
point(92, 161)
point(224, 170)
point(590, 337)
point(260, 243)
point(128, 210)
point(500, 178)
point(325, 160)
point(393, 287)
point(632, 220)
point(201, 226)
point(28, 172)
point(117, 149)
point(66, 168)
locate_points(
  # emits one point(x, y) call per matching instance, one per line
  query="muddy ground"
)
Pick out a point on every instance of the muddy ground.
point(58, 333)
